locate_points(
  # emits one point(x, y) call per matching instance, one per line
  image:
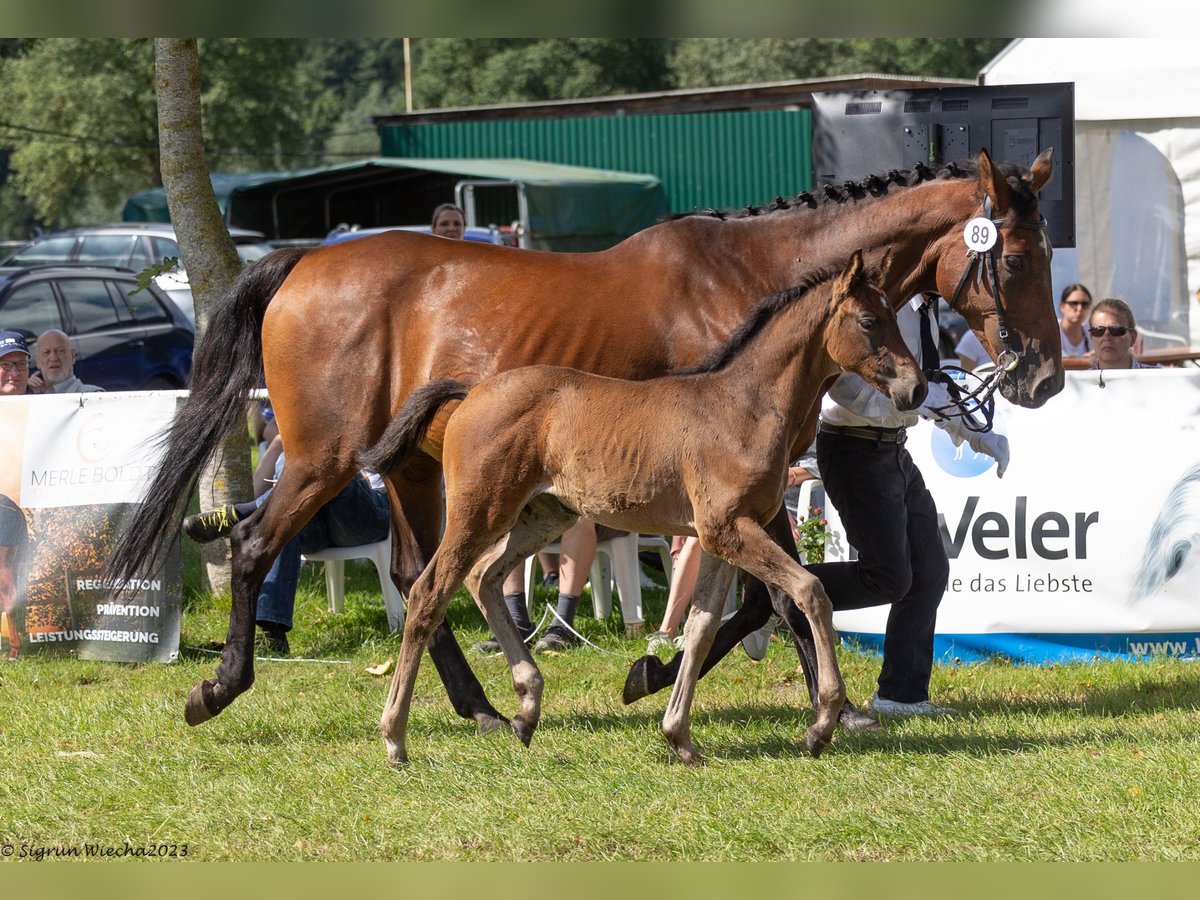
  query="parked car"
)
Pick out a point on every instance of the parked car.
point(129, 245)
point(125, 341)
point(489, 235)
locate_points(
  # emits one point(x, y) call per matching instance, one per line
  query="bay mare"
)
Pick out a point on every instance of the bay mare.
point(346, 333)
point(702, 452)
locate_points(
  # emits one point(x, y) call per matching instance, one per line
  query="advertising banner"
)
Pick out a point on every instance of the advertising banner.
point(72, 469)
point(1090, 544)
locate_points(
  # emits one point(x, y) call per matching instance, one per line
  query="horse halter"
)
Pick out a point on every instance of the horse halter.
point(981, 399)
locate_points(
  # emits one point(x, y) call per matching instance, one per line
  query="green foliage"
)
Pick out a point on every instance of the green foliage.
point(813, 531)
point(146, 277)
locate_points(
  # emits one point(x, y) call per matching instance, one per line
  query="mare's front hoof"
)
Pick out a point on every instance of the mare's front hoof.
point(854, 720)
point(523, 730)
point(637, 682)
point(201, 705)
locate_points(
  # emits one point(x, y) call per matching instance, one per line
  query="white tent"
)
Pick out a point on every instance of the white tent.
point(1137, 169)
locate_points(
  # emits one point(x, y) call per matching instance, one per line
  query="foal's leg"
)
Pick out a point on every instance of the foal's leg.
point(302, 490)
point(649, 675)
point(539, 523)
point(416, 508)
point(712, 587)
point(427, 604)
point(751, 549)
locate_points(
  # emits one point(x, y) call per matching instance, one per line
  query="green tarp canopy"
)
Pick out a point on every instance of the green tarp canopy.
point(560, 207)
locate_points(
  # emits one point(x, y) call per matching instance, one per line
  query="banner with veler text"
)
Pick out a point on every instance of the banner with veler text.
point(1089, 546)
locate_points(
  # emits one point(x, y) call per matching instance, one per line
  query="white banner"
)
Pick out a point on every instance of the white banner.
point(88, 449)
point(1090, 544)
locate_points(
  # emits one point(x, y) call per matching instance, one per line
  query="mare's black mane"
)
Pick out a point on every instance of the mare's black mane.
point(876, 186)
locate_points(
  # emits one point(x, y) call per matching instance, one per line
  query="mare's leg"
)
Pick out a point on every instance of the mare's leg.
point(749, 547)
point(538, 524)
point(303, 489)
point(415, 497)
point(712, 587)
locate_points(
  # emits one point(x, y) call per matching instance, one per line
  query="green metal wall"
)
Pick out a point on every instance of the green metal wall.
point(722, 159)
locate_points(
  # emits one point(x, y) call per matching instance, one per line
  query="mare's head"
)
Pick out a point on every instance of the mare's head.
point(1032, 353)
point(862, 335)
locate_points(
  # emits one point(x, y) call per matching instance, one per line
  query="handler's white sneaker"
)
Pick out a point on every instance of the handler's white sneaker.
point(894, 709)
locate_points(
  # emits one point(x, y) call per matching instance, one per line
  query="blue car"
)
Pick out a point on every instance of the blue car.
point(124, 341)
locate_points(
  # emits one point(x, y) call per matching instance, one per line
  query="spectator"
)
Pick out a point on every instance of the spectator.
point(13, 534)
point(1113, 331)
point(14, 364)
point(56, 366)
point(449, 222)
point(1074, 305)
point(358, 515)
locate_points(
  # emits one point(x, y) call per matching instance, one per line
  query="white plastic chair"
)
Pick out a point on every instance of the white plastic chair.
point(380, 553)
point(616, 560)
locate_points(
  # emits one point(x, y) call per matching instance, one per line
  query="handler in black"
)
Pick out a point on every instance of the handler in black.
point(891, 519)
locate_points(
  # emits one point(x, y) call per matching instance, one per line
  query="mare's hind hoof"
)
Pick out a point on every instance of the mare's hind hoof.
point(854, 720)
point(201, 705)
point(490, 724)
point(637, 682)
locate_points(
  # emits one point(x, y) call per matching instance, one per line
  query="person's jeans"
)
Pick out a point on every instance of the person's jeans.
point(358, 515)
point(890, 518)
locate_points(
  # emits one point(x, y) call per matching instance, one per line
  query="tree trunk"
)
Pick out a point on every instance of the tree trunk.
point(208, 255)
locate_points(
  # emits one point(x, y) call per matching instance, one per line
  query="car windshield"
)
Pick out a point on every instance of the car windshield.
point(43, 253)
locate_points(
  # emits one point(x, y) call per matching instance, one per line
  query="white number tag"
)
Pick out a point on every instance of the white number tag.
point(980, 234)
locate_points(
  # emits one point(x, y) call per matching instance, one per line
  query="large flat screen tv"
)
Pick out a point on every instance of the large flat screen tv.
point(859, 133)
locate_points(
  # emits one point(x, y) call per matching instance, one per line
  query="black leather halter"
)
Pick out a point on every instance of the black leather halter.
point(980, 400)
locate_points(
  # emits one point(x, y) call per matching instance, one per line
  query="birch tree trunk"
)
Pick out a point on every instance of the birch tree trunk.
point(208, 255)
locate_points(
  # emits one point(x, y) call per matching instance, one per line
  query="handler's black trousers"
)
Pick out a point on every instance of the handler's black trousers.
point(890, 518)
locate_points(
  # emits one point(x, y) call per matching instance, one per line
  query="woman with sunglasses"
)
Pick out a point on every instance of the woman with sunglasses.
point(1113, 331)
point(1073, 306)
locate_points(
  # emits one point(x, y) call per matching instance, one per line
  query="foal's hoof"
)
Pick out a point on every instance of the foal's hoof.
point(396, 754)
point(816, 744)
point(854, 720)
point(637, 682)
point(523, 730)
point(201, 705)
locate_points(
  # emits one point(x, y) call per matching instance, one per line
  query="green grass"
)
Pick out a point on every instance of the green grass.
point(1088, 762)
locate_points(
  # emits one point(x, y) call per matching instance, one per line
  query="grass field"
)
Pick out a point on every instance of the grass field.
point(1090, 762)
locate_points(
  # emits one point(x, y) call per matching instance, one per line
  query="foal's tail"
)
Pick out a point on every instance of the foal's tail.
point(226, 366)
point(409, 425)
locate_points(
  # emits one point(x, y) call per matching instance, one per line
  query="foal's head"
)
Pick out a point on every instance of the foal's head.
point(862, 335)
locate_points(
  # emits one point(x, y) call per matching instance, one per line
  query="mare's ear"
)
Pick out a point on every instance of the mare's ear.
point(993, 183)
point(1041, 170)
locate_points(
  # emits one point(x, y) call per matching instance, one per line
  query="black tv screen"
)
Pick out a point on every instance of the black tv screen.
point(859, 133)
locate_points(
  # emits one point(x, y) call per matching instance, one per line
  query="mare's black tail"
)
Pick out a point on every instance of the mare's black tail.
point(226, 366)
point(409, 425)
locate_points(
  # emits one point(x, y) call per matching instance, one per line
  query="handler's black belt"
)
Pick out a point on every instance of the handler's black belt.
point(867, 433)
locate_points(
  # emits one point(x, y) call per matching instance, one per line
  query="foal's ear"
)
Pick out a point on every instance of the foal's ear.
point(851, 276)
point(993, 183)
point(1041, 170)
point(885, 265)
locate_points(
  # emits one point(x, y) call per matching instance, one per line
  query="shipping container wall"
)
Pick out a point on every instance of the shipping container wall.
point(721, 160)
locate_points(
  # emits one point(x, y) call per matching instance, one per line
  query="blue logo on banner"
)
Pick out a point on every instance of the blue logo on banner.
point(960, 461)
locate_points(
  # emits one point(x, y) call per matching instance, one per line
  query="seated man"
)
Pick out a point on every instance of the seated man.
point(1113, 331)
point(56, 366)
point(14, 364)
point(358, 515)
